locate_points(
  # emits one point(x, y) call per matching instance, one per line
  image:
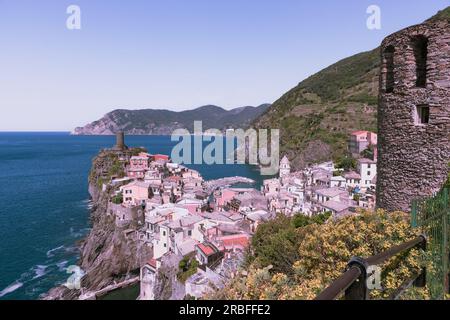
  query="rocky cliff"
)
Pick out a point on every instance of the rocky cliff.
point(108, 254)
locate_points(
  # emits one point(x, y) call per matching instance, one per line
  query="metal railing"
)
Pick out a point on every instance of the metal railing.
point(353, 282)
point(432, 216)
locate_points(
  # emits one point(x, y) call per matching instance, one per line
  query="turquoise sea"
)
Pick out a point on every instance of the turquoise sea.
point(44, 207)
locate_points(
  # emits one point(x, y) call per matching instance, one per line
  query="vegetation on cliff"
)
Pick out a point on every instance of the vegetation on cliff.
point(298, 263)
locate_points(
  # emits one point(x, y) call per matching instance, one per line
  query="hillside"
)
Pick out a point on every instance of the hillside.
point(163, 122)
point(316, 116)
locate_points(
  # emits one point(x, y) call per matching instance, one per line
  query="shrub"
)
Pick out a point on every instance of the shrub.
point(322, 253)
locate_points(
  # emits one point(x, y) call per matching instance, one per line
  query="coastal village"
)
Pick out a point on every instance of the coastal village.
point(202, 228)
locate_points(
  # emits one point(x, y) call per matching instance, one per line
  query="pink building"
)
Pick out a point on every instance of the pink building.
point(139, 162)
point(361, 140)
point(138, 166)
point(222, 197)
point(135, 193)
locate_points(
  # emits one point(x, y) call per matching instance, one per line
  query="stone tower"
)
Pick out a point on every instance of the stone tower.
point(120, 141)
point(414, 114)
point(285, 167)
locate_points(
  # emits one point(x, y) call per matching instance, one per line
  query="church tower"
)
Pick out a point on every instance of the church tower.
point(285, 167)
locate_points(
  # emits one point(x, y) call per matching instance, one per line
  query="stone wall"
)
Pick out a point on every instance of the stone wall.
point(413, 156)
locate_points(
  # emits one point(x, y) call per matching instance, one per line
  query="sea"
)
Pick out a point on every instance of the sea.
point(45, 205)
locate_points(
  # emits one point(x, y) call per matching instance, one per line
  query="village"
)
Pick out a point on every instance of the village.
point(202, 228)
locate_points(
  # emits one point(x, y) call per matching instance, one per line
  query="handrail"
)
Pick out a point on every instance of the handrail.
point(340, 284)
point(353, 280)
point(383, 256)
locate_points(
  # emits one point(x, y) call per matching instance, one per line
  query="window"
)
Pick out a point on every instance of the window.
point(368, 173)
point(422, 115)
point(164, 233)
point(388, 66)
point(420, 47)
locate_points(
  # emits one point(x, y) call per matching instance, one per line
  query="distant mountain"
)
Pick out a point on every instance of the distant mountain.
point(163, 122)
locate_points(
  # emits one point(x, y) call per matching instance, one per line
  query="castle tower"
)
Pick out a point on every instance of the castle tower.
point(120, 141)
point(414, 114)
point(285, 167)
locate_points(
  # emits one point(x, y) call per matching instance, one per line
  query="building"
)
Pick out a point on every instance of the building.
point(138, 167)
point(136, 193)
point(360, 141)
point(413, 114)
point(335, 194)
point(148, 280)
point(285, 167)
point(368, 171)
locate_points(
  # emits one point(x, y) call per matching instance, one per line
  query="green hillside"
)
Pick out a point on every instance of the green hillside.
point(316, 116)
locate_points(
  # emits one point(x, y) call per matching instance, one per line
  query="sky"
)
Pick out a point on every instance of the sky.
point(174, 54)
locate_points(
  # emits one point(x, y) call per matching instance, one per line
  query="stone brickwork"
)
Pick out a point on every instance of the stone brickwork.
point(414, 114)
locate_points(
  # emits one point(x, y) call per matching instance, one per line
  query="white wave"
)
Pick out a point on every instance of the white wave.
point(11, 288)
point(62, 265)
point(79, 233)
point(39, 271)
point(50, 252)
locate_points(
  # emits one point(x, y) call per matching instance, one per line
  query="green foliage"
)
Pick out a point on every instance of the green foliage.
point(347, 163)
point(117, 199)
point(364, 98)
point(187, 267)
point(316, 117)
point(275, 242)
point(441, 15)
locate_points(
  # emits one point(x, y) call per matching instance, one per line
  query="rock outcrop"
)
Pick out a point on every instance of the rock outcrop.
point(109, 254)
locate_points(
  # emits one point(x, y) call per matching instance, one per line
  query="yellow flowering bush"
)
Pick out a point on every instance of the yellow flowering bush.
point(322, 254)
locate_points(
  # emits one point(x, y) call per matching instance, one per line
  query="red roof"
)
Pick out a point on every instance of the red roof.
point(174, 178)
point(206, 249)
point(152, 263)
point(160, 157)
point(360, 132)
point(235, 241)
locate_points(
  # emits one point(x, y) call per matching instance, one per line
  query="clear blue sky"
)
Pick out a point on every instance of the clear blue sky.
point(174, 54)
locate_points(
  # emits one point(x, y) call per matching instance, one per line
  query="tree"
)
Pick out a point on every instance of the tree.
point(117, 199)
point(346, 163)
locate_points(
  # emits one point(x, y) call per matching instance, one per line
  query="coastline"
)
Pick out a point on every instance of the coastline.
point(110, 258)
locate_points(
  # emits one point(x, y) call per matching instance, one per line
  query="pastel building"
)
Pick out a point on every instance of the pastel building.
point(285, 167)
point(368, 171)
point(135, 193)
point(361, 140)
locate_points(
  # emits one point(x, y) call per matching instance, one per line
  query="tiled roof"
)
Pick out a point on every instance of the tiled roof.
point(352, 175)
point(206, 249)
